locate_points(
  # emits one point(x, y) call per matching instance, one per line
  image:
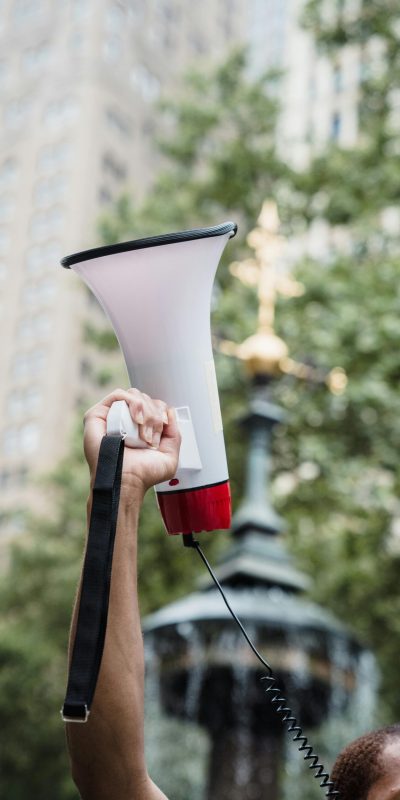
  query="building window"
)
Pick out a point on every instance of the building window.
point(4, 240)
point(10, 442)
point(115, 18)
point(36, 328)
point(39, 258)
point(115, 169)
point(32, 400)
point(336, 124)
point(60, 112)
point(7, 207)
point(112, 48)
point(21, 440)
point(24, 403)
point(197, 43)
point(20, 367)
point(4, 73)
point(16, 113)
point(44, 223)
point(29, 437)
point(34, 294)
point(34, 259)
point(337, 79)
point(8, 172)
point(80, 10)
point(15, 405)
point(53, 157)
point(76, 42)
point(146, 82)
point(21, 476)
point(4, 480)
point(105, 196)
point(26, 11)
point(43, 325)
point(35, 59)
point(50, 190)
point(118, 122)
point(25, 330)
point(39, 228)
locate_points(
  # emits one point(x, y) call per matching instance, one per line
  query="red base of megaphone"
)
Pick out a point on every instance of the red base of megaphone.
point(207, 508)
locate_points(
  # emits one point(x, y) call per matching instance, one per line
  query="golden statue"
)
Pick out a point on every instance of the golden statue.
point(265, 353)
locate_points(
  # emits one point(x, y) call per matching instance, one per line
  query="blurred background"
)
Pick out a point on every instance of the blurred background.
point(124, 119)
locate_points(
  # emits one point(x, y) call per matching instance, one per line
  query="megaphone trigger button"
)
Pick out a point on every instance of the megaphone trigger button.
point(173, 482)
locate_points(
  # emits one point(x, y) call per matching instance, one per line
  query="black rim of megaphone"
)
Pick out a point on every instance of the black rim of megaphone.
point(150, 241)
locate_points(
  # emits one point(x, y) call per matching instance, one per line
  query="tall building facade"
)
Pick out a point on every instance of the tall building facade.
point(78, 82)
point(319, 94)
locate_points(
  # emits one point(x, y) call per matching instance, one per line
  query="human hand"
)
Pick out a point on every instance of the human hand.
point(142, 467)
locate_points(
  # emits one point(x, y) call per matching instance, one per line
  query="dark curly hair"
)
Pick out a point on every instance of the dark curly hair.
point(359, 765)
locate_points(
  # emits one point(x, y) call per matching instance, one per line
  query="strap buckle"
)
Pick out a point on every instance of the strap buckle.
point(78, 712)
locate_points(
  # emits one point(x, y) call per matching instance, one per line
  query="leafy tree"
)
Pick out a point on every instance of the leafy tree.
point(343, 504)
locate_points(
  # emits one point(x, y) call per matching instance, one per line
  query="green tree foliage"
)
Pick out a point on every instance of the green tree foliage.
point(36, 598)
point(337, 457)
point(343, 502)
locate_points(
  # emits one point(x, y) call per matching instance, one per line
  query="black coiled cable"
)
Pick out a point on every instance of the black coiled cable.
point(278, 701)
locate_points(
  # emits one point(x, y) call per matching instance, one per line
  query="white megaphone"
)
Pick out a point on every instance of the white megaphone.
point(156, 293)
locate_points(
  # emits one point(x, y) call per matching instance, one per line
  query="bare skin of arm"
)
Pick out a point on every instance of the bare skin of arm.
point(107, 752)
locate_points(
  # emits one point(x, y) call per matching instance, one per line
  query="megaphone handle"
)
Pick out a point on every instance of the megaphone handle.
point(120, 423)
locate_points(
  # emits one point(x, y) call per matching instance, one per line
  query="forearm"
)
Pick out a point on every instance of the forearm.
point(107, 753)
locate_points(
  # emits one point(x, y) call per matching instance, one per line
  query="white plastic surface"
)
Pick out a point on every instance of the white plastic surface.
point(158, 300)
point(120, 422)
point(189, 456)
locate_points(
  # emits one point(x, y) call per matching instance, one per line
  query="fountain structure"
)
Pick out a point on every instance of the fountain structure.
point(204, 674)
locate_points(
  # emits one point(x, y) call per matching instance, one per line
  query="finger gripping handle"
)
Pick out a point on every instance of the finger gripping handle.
point(120, 423)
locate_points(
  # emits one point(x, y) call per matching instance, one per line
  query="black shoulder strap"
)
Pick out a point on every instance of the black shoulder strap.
point(95, 589)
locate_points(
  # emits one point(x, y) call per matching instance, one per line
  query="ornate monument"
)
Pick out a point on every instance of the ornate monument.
point(196, 636)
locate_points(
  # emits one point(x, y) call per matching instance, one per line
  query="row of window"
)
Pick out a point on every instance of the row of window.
point(54, 156)
point(39, 293)
point(39, 260)
point(21, 440)
point(43, 224)
point(46, 192)
point(29, 365)
point(13, 478)
point(50, 190)
point(36, 60)
point(43, 257)
point(57, 114)
point(24, 403)
point(32, 329)
point(24, 13)
point(50, 158)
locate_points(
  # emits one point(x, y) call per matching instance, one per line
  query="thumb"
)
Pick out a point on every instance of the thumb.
point(171, 437)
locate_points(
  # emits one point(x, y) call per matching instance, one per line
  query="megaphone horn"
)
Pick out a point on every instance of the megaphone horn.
point(156, 293)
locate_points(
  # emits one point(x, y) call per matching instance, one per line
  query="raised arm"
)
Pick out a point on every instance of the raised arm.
point(107, 752)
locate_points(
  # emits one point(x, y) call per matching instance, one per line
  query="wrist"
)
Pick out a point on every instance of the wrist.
point(132, 493)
